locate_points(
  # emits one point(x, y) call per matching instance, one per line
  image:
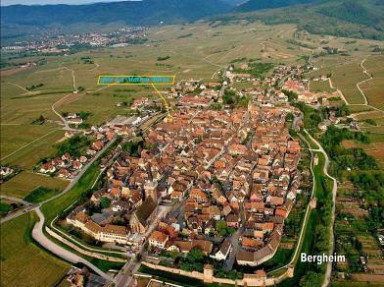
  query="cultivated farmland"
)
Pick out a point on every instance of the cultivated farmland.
point(22, 262)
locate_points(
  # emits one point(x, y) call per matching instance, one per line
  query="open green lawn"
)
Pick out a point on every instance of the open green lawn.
point(58, 205)
point(23, 183)
point(40, 194)
point(22, 262)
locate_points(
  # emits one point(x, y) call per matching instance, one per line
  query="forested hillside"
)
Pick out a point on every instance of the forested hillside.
point(347, 18)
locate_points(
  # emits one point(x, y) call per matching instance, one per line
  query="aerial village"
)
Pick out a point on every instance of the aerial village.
point(222, 181)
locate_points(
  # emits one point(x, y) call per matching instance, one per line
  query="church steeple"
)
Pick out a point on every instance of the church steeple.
point(150, 188)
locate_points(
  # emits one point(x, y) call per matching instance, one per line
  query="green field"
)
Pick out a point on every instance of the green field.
point(58, 205)
point(40, 194)
point(356, 284)
point(4, 208)
point(15, 137)
point(35, 149)
point(374, 89)
point(22, 262)
point(320, 86)
point(345, 78)
point(23, 183)
point(359, 109)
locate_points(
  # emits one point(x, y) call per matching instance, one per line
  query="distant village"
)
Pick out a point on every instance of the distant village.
point(54, 41)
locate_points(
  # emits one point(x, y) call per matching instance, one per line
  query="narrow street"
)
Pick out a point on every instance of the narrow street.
point(124, 277)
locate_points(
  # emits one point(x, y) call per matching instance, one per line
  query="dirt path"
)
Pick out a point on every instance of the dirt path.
point(73, 77)
point(20, 87)
point(364, 81)
point(338, 91)
point(366, 103)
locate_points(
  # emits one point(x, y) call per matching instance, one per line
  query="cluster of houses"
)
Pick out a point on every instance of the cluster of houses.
point(68, 166)
point(235, 169)
point(223, 170)
point(133, 202)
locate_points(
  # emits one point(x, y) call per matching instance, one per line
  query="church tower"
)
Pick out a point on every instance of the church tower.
point(150, 188)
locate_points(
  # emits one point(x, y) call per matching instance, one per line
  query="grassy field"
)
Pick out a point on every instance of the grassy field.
point(23, 263)
point(374, 89)
point(28, 150)
point(359, 109)
point(55, 207)
point(345, 78)
point(201, 55)
point(320, 86)
point(14, 137)
point(40, 194)
point(356, 284)
point(23, 183)
point(4, 208)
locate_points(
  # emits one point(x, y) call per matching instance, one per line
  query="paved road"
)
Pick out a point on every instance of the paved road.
point(39, 236)
point(228, 264)
point(26, 208)
point(334, 192)
point(68, 187)
point(15, 199)
point(37, 232)
point(66, 124)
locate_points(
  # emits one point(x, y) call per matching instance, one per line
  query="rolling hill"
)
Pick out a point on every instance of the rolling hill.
point(253, 5)
point(148, 12)
point(349, 18)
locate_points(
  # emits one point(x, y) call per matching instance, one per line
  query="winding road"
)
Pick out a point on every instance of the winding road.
point(39, 236)
point(366, 103)
point(37, 232)
point(65, 122)
point(27, 207)
point(364, 81)
point(334, 192)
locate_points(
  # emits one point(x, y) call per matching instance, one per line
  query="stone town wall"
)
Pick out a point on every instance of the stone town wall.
point(247, 281)
point(82, 251)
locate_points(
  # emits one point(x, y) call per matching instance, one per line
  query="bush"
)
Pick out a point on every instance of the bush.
point(105, 202)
